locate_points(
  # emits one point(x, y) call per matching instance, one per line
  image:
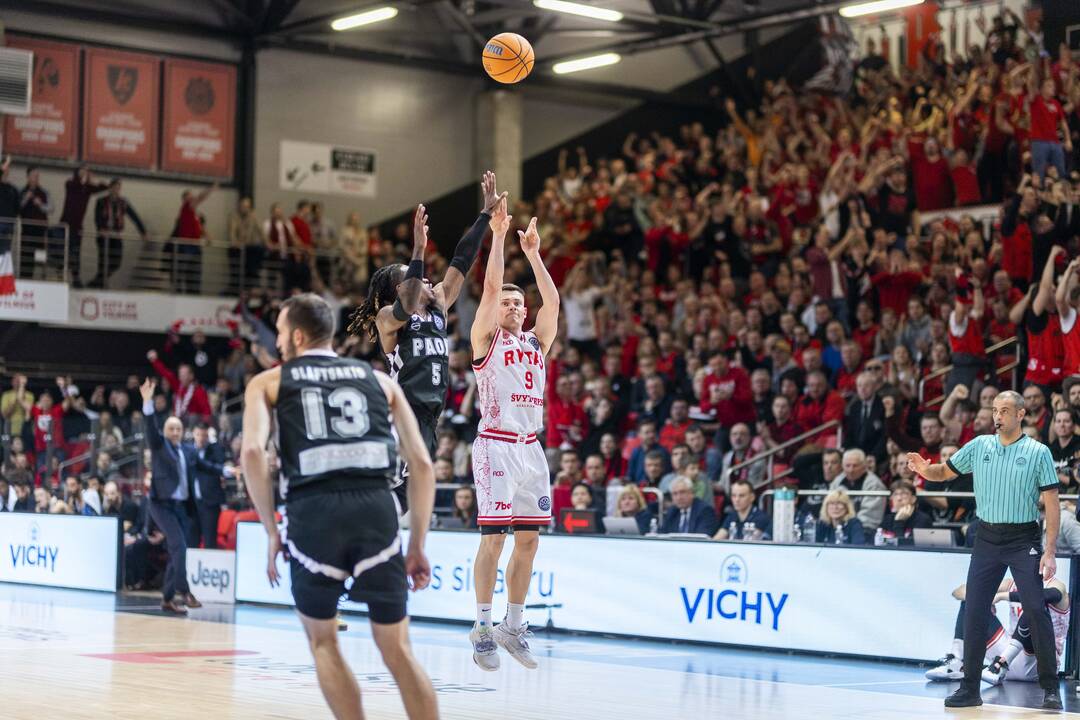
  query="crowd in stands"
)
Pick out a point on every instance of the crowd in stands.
point(725, 292)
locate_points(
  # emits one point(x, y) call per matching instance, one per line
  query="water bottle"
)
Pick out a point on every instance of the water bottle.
point(749, 531)
point(733, 531)
point(840, 537)
point(783, 514)
point(796, 533)
point(809, 532)
point(653, 525)
point(879, 538)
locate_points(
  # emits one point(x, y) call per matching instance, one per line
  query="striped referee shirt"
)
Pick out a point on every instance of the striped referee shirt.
point(1008, 478)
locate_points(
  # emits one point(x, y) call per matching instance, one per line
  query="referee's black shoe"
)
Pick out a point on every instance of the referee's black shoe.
point(1051, 700)
point(963, 698)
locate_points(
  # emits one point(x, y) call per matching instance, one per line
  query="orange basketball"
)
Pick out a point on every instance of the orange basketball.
point(508, 58)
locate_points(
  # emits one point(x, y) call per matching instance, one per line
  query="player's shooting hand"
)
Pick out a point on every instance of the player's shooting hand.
point(530, 239)
point(275, 549)
point(500, 220)
point(418, 569)
point(420, 228)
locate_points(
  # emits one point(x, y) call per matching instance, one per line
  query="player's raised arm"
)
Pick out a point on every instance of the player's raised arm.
point(469, 246)
point(483, 328)
point(547, 318)
point(411, 290)
point(421, 486)
point(260, 488)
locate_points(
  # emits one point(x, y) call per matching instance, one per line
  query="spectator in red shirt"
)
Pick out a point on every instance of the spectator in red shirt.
point(897, 285)
point(1047, 116)
point(190, 401)
point(47, 419)
point(965, 179)
point(674, 430)
point(732, 401)
point(851, 366)
point(866, 330)
point(818, 405)
point(567, 421)
point(783, 428)
point(184, 255)
point(965, 335)
point(300, 224)
point(931, 175)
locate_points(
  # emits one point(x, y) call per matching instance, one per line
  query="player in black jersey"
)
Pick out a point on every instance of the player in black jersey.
point(338, 456)
point(406, 315)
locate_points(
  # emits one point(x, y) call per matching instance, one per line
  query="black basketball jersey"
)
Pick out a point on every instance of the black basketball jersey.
point(420, 363)
point(333, 422)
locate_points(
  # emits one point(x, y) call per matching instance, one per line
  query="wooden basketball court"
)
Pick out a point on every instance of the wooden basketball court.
point(94, 655)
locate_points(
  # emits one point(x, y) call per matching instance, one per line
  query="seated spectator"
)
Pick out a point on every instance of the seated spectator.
point(782, 429)
point(688, 514)
point(819, 405)
point(654, 469)
point(631, 503)
point(856, 477)
point(680, 458)
point(43, 501)
point(837, 524)
point(465, 507)
point(743, 447)
point(24, 501)
point(904, 515)
point(114, 503)
point(864, 418)
point(648, 443)
point(743, 511)
point(678, 422)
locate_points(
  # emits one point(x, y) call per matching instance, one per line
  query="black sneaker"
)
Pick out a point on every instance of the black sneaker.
point(964, 698)
point(1051, 700)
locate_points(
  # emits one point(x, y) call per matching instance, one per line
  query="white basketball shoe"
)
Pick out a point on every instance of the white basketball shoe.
point(516, 642)
point(485, 650)
point(995, 672)
point(949, 668)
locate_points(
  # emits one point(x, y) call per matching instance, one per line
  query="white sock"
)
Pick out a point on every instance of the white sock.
point(483, 614)
point(515, 615)
point(1014, 648)
point(958, 648)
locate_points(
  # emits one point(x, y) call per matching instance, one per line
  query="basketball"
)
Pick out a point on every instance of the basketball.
point(508, 58)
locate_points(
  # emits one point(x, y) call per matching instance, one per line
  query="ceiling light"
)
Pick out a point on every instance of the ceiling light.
point(586, 63)
point(364, 18)
point(875, 7)
point(574, 8)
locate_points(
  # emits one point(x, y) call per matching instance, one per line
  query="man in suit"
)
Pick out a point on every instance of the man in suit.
point(209, 491)
point(688, 514)
point(173, 466)
point(864, 419)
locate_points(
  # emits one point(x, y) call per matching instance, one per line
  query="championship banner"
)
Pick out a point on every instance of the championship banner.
point(198, 127)
point(51, 127)
point(121, 108)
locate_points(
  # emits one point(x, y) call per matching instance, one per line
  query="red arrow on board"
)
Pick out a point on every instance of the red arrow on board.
point(570, 522)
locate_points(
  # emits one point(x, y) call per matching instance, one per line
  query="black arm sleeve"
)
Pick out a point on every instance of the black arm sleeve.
point(1051, 596)
point(468, 246)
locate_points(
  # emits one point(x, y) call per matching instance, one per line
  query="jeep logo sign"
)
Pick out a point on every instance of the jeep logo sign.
point(211, 574)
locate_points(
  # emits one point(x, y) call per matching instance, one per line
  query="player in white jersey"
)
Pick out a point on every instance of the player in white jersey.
point(1009, 653)
point(509, 466)
point(1016, 661)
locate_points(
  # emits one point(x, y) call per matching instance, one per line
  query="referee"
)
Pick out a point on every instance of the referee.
point(1012, 471)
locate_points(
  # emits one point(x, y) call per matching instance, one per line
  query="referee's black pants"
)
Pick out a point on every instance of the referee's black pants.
point(1017, 547)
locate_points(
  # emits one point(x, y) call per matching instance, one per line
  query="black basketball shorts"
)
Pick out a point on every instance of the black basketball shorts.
point(332, 536)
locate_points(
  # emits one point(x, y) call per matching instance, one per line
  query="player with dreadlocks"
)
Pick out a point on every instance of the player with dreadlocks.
point(406, 315)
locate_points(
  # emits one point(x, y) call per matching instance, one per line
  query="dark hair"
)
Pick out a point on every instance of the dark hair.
point(903, 485)
point(468, 517)
point(831, 451)
point(312, 315)
point(695, 428)
point(382, 290)
point(743, 481)
point(646, 421)
point(576, 485)
point(201, 426)
point(511, 287)
point(655, 455)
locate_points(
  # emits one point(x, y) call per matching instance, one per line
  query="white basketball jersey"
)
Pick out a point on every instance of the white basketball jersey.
point(510, 384)
point(1059, 619)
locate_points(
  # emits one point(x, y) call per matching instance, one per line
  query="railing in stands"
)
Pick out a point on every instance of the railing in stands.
point(131, 261)
point(769, 455)
point(1012, 366)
